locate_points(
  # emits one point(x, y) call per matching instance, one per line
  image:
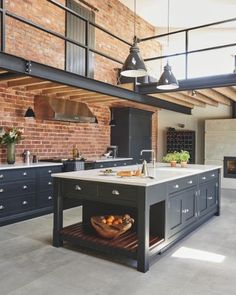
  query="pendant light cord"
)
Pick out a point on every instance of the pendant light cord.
point(168, 23)
point(134, 18)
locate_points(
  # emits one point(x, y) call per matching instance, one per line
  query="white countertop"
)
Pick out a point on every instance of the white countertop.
point(112, 159)
point(162, 173)
point(31, 165)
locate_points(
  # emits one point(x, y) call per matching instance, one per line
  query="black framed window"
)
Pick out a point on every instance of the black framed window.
point(76, 30)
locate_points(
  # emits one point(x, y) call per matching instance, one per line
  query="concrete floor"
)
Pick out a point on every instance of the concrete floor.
point(30, 265)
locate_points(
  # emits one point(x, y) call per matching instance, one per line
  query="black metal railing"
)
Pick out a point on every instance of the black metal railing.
point(187, 52)
point(6, 13)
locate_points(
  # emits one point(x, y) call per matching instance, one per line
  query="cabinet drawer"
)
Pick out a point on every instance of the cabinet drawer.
point(208, 176)
point(178, 185)
point(45, 183)
point(116, 193)
point(17, 188)
point(45, 199)
point(79, 189)
point(17, 205)
point(17, 174)
point(46, 171)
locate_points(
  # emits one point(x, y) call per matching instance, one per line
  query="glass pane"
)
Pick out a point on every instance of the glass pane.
point(213, 62)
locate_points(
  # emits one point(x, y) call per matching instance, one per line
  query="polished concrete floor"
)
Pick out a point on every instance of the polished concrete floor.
point(203, 263)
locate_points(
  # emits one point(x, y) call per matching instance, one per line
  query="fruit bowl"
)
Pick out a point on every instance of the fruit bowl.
point(111, 226)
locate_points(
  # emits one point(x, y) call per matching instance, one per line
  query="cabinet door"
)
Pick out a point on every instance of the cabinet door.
point(202, 200)
point(189, 207)
point(212, 194)
point(174, 215)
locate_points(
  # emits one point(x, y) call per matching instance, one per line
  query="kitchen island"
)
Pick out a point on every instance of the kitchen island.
point(166, 207)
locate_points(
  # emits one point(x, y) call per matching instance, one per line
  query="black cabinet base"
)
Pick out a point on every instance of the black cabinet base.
point(24, 216)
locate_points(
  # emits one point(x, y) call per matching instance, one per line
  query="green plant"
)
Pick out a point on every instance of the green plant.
point(184, 156)
point(11, 135)
point(170, 157)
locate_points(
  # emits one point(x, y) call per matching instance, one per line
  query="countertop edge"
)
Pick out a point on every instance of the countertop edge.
point(26, 166)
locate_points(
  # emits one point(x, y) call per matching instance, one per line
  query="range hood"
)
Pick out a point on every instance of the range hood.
point(48, 108)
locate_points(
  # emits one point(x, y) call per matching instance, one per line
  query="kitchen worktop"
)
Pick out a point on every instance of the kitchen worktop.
point(31, 165)
point(162, 173)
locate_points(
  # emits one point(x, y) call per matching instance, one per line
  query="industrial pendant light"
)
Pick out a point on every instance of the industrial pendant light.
point(134, 65)
point(167, 80)
point(29, 113)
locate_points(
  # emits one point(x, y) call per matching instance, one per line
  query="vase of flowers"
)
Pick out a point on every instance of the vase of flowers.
point(10, 137)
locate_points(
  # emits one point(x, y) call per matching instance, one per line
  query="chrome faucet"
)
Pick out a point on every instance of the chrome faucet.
point(153, 159)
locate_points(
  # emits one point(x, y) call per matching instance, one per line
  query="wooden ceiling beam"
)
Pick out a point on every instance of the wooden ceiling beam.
point(215, 96)
point(85, 96)
point(62, 88)
point(47, 85)
point(186, 98)
point(203, 98)
point(174, 100)
point(72, 92)
point(227, 91)
point(25, 82)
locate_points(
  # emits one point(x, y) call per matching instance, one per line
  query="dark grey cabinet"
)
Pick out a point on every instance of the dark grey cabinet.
point(181, 210)
point(26, 192)
point(132, 133)
point(207, 197)
point(106, 164)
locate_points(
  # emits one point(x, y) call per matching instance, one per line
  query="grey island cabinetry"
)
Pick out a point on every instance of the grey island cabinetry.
point(165, 207)
point(26, 191)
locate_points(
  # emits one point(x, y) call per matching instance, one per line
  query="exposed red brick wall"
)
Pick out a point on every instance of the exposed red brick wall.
point(47, 138)
point(52, 139)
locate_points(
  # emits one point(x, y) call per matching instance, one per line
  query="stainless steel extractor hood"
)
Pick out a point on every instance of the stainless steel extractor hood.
point(57, 109)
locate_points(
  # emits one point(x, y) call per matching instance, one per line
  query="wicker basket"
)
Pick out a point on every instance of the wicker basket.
point(111, 231)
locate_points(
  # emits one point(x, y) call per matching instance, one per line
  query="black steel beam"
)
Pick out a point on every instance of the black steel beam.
point(17, 64)
point(193, 84)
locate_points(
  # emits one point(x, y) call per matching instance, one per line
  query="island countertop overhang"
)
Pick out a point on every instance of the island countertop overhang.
point(162, 173)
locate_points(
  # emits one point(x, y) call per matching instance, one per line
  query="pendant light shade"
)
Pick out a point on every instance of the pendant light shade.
point(29, 113)
point(134, 65)
point(167, 80)
point(112, 122)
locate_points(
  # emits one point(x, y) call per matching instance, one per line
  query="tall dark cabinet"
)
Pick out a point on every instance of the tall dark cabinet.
point(132, 133)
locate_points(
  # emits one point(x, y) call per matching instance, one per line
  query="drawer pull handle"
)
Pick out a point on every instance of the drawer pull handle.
point(49, 183)
point(49, 197)
point(176, 186)
point(24, 173)
point(115, 165)
point(1, 176)
point(1, 190)
point(25, 187)
point(185, 211)
point(125, 164)
point(101, 166)
point(50, 171)
point(190, 182)
point(212, 175)
point(115, 192)
point(2, 207)
point(204, 178)
point(24, 203)
point(78, 188)
point(210, 198)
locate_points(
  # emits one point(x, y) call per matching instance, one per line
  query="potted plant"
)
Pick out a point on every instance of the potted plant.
point(10, 137)
point(171, 158)
point(184, 157)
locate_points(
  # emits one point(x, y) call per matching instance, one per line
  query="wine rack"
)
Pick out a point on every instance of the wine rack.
point(177, 140)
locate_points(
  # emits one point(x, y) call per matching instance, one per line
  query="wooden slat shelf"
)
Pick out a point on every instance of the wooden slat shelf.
point(127, 242)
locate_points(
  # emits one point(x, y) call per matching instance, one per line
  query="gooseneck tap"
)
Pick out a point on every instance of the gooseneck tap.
point(153, 159)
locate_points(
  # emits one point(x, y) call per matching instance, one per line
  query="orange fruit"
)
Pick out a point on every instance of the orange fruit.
point(104, 220)
point(116, 222)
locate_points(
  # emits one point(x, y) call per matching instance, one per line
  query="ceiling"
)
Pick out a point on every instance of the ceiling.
point(184, 13)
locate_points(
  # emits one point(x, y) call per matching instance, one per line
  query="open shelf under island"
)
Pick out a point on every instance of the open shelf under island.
point(165, 208)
